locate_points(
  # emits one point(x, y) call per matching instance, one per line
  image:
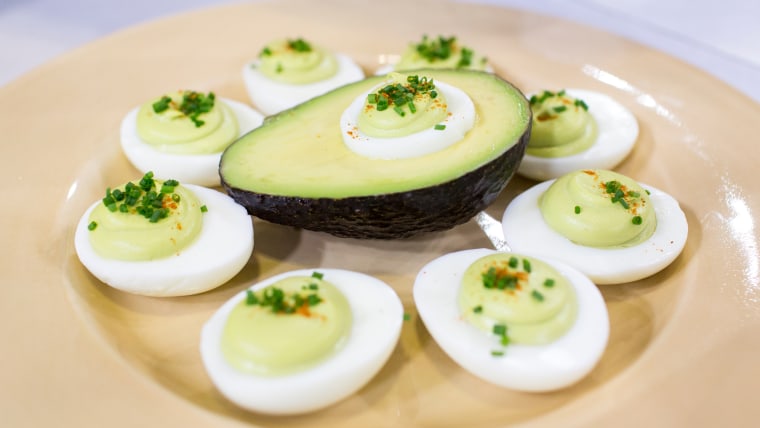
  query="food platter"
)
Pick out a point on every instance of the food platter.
point(683, 344)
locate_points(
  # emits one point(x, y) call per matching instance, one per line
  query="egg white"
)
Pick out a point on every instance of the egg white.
point(200, 169)
point(459, 121)
point(526, 231)
point(272, 97)
point(532, 368)
point(377, 318)
point(221, 250)
point(617, 134)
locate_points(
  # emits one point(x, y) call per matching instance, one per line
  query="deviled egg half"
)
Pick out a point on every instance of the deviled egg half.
point(302, 340)
point(406, 116)
point(437, 52)
point(605, 224)
point(574, 129)
point(520, 322)
point(182, 134)
point(162, 238)
point(288, 72)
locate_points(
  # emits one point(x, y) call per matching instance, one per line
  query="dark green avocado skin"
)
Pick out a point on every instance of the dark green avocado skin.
point(391, 215)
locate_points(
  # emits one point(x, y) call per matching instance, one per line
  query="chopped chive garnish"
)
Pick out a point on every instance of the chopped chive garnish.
point(193, 104)
point(250, 298)
point(504, 340)
point(400, 96)
point(92, 225)
point(318, 275)
point(582, 104)
point(466, 58)
point(577, 209)
point(204, 208)
point(299, 45)
point(439, 127)
point(513, 262)
point(526, 265)
point(499, 329)
point(144, 198)
point(279, 302)
point(497, 353)
point(489, 278)
point(612, 186)
point(435, 49)
point(407, 316)
point(549, 283)
point(157, 215)
point(477, 309)
point(619, 194)
point(537, 295)
point(162, 104)
point(545, 95)
point(442, 48)
point(637, 220)
point(499, 279)
point(541, 98)
point(313, 299)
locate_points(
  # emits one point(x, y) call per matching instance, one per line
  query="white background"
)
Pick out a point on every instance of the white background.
point(720, 37)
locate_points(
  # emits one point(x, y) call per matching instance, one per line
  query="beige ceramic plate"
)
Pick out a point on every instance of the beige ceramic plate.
point(684, 346)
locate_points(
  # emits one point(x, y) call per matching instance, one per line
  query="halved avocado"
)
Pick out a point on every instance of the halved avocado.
point(296, 170)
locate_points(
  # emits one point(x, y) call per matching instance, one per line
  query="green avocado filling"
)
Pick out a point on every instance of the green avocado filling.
point(296, 61)
point(145, 221)
point(403, 106)
point(440, 52)
point(289, 326)
point(519, 299)
point(187, 122)
point(562, 125)
point(599, 208)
